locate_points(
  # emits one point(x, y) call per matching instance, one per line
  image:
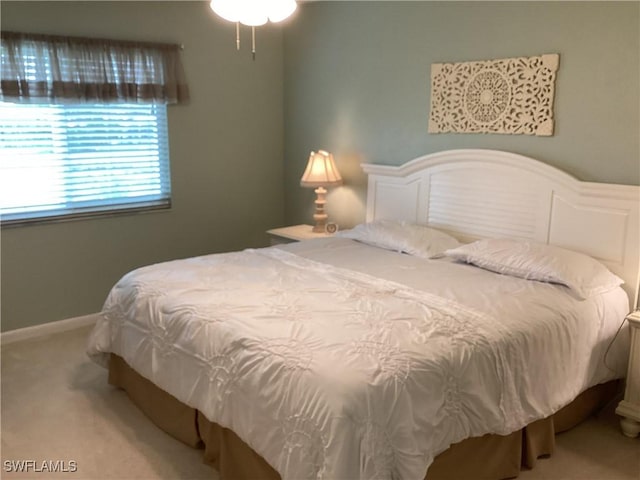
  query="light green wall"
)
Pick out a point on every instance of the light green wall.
point(357, 84)
point(226, 160)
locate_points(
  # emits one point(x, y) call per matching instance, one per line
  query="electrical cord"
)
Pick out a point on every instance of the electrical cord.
point(614, 339)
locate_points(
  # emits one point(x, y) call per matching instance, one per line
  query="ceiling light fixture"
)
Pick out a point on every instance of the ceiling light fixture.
point(253, 13)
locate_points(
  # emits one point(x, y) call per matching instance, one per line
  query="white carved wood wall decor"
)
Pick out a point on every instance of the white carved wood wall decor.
point(509, 95)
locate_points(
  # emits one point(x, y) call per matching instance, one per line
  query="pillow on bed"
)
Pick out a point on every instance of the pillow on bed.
point(584, 275)
point(402, 237)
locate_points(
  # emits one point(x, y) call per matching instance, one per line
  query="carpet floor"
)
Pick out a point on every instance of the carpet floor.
point(58, 409)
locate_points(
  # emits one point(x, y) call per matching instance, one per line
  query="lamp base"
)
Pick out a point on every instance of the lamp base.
point(319, 216)
point(319, 227)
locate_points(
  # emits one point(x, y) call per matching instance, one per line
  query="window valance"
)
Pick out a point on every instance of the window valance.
point(55, 69)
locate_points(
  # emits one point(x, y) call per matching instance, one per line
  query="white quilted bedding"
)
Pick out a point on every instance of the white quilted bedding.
point(328, 372)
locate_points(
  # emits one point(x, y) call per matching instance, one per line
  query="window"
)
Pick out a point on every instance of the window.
point(83, 125)
point(59, 160)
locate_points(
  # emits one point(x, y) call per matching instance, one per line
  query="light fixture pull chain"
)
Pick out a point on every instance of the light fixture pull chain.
point(253, 42)
point(237, 35)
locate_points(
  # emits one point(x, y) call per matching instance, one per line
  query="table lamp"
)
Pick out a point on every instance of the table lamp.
point(321, 172)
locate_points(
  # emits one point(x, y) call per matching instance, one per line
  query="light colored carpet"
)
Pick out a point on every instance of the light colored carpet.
point(57, 405)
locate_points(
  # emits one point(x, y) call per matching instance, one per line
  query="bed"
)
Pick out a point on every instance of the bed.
point(336, 358)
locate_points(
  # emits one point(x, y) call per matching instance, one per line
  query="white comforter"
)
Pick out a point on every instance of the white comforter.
point(333, 373)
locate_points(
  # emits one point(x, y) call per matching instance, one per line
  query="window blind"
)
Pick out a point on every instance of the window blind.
point(75, 159)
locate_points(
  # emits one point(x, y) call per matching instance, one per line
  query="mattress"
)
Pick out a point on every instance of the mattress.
point(333, 359)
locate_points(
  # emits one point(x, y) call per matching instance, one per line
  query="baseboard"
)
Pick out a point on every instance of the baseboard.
point(47, 328)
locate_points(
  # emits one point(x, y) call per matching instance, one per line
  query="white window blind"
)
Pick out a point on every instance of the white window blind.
point(76, 159)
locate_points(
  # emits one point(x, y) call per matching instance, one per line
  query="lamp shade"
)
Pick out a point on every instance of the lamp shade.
point(321, 171)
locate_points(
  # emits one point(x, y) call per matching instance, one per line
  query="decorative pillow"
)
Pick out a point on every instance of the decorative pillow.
point(584, 275)
point(403, 237)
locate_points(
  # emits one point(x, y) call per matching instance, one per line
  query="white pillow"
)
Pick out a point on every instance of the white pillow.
point(536, 261)
point(403, 237)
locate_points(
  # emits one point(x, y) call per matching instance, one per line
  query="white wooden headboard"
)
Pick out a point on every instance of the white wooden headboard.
point(476, 194)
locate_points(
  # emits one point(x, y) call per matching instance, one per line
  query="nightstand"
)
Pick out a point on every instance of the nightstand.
point(629, 408)
point(294, 233)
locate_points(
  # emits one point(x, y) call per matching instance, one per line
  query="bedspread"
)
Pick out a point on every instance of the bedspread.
point(326, 372)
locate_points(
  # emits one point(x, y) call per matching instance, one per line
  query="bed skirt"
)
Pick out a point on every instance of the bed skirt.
point(489, 457)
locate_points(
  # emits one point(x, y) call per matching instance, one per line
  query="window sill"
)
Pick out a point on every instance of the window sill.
point(72, 217)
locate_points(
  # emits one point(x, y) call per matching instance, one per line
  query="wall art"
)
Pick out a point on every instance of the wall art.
point(509, 95)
